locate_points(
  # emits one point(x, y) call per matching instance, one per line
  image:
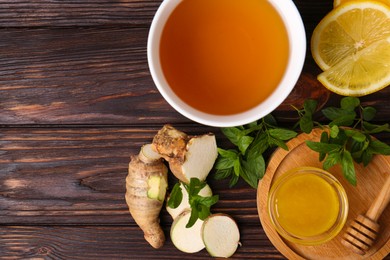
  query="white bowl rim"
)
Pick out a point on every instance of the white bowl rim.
point(297, 36)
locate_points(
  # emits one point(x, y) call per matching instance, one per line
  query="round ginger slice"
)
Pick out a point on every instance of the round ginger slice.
point(221, 235)
point(188, 240)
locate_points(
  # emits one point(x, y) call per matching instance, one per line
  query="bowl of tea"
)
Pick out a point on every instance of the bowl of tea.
point(226, 62)
point(307, 205)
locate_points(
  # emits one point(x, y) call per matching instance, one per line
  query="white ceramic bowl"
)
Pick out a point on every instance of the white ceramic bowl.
point(297, 42)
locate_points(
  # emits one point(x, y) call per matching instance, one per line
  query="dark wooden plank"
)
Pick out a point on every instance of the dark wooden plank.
point(71, 176)
point(78, 76)
point(65, 13)
point(112, 242)
point(100, 76)
point(21, 13)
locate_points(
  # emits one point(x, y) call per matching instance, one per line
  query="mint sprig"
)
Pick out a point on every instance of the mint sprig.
point(346, 140)
point(200, 206)
point(246, 160)
point(349, 139)
point(305, 122)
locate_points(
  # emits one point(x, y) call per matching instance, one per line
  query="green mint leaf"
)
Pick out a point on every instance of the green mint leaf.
point(233, 134)
point(260, 168)
point(334, 131)
point(260, 143)
point(251, 129)
point(237, 167)
point(253, 125)
point(345, 120)
point(255, 163)
point(375, 129)
point(306, 123)
point(194, 216)
point(233, 180)
point(282, 134)
point(270, 119)
point(244, 143)
point(357, 148)
point(323, 147)
point(367, 157)
point(340, 139)
point(324, 139)
point(331, 160)
point(349, 103)
point(277, 142)
point(195, 186)
point(208, 201)
point(175, 197)
point(333, 113)
point(248, 176)
point(310, 106)
point(231, 154)
point(221, 174)
point(378, 147)
point(204, 212)
point(368, 113)
point(253, 169)
point(355, 134)
point(200, 206)
point(348, 167)
point(224, 163)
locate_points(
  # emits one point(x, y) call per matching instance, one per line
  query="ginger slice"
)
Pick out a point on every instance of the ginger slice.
point(187, 157)
point(188, 240)
point(220, 235)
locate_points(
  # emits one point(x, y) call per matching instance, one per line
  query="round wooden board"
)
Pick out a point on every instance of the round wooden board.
point(370, 179)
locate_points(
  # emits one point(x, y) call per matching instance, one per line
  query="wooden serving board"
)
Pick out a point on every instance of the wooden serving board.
point(370, 179)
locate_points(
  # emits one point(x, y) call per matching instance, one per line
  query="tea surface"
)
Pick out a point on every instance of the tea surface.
point(224, 56)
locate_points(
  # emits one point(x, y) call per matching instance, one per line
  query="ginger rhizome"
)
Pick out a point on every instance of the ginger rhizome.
point(146, 186)
point(188, 157)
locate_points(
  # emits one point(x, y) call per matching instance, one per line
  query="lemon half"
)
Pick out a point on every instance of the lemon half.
point(352, 46)
point(339, 2)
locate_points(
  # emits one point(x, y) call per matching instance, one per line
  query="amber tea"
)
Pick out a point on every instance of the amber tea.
point(224, 57)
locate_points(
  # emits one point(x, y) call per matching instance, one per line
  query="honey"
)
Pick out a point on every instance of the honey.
point(308, 205)
point(224, 57)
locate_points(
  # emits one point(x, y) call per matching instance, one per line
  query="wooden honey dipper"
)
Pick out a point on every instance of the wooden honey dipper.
point(361, 234)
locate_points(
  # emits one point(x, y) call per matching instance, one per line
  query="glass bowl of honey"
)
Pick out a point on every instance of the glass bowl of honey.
point(307, 205)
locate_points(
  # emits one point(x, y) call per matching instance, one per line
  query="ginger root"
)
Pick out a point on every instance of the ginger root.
point(188, 157)
point(146, 185)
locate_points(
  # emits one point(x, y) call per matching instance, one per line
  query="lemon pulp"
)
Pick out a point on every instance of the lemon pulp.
point(306, 205)
point(352, 46)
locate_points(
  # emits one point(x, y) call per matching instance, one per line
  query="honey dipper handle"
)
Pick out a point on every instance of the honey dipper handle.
point(380, 202)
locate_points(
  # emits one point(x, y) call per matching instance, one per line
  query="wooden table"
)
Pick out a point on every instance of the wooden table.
point(76, 99)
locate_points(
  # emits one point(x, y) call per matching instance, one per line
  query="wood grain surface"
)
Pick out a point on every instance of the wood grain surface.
point(76, 100)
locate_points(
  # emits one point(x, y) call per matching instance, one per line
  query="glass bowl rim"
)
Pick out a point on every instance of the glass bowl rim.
point(343, 209)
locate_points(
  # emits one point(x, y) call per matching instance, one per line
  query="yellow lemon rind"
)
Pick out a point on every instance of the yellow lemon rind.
point(336, 3)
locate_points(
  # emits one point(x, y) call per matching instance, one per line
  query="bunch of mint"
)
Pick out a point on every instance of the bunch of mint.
point(346, 138)
point(251, 141)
